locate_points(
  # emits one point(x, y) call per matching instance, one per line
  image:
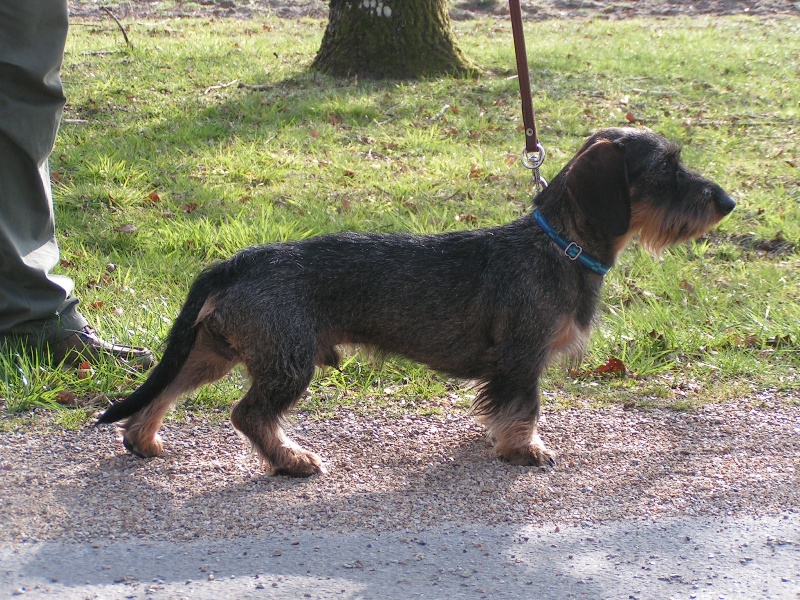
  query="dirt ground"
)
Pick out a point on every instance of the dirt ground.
point(460, 10)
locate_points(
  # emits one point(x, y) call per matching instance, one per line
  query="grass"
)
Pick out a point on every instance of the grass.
point(165, 163)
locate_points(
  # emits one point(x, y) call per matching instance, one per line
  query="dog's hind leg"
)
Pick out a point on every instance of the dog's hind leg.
point(278, 382)
point(209, 360)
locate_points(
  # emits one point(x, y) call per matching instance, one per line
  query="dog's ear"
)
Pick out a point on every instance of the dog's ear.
point(598, 182)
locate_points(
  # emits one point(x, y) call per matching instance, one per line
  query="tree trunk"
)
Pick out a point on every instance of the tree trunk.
point(396, 39)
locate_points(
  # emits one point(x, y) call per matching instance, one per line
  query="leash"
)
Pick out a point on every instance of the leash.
point(533, 154)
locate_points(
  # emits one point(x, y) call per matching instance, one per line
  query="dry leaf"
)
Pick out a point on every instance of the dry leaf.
point(475, 172)
point(67, 398)
point(85, 370)
point(613, 366)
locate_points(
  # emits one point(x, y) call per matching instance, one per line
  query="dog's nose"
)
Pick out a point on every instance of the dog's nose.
point(725, 204)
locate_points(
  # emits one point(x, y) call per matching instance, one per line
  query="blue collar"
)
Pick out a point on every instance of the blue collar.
point(571, 250)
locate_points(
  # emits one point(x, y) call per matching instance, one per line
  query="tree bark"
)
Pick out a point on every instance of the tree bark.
point(390, 39)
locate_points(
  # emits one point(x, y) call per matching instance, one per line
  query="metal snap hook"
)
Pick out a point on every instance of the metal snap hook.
point(533, 160)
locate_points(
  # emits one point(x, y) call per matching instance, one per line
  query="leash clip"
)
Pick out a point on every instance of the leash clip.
point(533, 161)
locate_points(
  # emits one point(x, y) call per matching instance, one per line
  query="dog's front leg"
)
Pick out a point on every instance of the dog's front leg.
point(517, 441)
point(511, 418)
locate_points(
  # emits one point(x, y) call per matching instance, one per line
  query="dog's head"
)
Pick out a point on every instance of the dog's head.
point(628, 180)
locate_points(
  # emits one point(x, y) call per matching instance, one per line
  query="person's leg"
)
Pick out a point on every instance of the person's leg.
point(33, 302)
point(32, 38)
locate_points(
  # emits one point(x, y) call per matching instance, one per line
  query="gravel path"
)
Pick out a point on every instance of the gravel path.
point(408, 473)
point(728, 467)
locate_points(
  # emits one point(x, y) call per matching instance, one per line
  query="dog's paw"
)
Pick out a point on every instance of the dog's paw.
point(530, 456)
point(144, 449)
point(297, 462)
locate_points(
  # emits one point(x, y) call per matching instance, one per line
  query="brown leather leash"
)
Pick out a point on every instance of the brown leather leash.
point(533, 154)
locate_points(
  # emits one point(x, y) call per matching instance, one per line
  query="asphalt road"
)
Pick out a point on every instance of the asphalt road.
point(679, 558)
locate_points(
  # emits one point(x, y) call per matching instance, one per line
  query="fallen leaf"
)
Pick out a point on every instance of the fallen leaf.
point(85, 370)
point(105, 280)
point(613, 366)
point(475, 172)
point(751, 341)
point(127, 228)
point(780, 341)
point(67, 398)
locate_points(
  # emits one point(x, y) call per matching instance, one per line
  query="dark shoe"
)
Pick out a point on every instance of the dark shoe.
point(84, 345)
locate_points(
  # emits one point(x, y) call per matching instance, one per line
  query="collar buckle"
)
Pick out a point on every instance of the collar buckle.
point(573, 251)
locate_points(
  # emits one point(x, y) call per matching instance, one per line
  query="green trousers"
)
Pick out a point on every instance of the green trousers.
point(32, 300)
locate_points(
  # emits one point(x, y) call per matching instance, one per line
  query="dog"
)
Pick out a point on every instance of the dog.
point(491, 305)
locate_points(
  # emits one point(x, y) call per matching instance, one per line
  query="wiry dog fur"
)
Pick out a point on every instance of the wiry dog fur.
point(492, 305)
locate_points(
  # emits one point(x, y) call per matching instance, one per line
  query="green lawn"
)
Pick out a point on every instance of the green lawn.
point(213, 135)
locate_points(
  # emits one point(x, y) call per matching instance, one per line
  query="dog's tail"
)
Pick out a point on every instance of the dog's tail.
point(180, 341)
